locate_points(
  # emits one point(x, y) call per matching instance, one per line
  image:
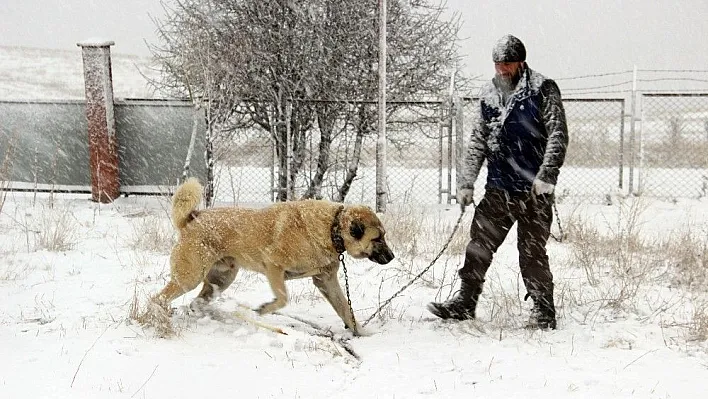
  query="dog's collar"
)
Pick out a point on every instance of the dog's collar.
point(336, 232)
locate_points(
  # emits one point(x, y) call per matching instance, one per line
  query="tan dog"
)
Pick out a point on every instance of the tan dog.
point(283, 241)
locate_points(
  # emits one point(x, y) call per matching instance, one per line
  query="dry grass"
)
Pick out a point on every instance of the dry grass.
point(698, 324)
point(50, 228)
point(153, 316)
point(687, 256)
point(152, 233)
point(59, 230)
point(5, 169)
point(623, 271)
point(416, 237)
point(11, 270)
point(616, 264)
point(506, 309)
point(614, 270)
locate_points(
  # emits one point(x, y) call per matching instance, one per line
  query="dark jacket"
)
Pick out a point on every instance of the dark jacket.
point(523, 140)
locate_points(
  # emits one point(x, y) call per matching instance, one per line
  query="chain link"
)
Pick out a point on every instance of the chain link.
point(452, 235)
point(346, 285)
point(560, 228)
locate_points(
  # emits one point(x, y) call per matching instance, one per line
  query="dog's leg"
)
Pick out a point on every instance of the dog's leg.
point(186, 274)
point(158, 313)
point(276, 279)
point(219, 278)
point(328, 284)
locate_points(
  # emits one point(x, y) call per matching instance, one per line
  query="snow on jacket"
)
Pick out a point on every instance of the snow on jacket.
point(523, 140)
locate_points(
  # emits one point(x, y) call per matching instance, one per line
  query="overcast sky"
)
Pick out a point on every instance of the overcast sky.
point(563, 37)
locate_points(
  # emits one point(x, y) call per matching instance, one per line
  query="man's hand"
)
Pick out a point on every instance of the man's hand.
point(540, 187)
point(465, 196)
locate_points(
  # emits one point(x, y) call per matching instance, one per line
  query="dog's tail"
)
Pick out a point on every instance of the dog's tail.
point(185, 202)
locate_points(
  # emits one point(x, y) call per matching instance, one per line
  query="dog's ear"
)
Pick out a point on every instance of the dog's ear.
point(357, 229)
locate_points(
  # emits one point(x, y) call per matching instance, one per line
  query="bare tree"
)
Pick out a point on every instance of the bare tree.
point(295, 67)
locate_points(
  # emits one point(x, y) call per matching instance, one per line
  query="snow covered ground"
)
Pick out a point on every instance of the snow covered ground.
point(71, 269)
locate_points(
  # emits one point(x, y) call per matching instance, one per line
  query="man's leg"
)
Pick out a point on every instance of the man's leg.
point(490, 226)
point(535, 216)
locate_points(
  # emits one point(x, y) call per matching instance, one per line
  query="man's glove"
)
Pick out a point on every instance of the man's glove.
point(540, 187)
point(465, 196)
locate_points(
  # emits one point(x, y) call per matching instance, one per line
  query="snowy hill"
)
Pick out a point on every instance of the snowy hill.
point(32, 74)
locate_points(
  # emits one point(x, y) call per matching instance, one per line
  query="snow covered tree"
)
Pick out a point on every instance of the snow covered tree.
point(295, 67)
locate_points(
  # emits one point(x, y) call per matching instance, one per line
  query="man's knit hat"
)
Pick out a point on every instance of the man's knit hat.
point(509, 49)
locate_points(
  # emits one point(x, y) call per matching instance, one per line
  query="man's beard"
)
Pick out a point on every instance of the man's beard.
point(507, 83)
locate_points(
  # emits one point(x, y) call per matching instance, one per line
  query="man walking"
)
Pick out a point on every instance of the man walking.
point(522, 134)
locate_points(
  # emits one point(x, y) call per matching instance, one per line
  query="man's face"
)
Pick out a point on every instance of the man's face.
point(508, 71)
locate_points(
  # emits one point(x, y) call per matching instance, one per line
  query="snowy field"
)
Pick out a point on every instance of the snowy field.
point(71, 270)
point(33, 74)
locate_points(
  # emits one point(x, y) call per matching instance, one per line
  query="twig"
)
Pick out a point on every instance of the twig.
point(85, 354)
point(325, 333)
point(637, 359)
point(258, 323)
point(146, 381)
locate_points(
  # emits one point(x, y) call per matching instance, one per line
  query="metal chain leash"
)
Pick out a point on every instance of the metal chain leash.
point(346, 285)
point(452, 235)
point(555, 210)
point(447, 243)
point(562, 235)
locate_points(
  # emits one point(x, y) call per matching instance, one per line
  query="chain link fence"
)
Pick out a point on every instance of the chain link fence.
point(597, 152)
point(418, 157)
point(664, 154)
point(594, 164)
point(673, 145)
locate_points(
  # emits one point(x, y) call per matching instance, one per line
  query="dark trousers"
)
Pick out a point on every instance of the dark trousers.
point(493, 218)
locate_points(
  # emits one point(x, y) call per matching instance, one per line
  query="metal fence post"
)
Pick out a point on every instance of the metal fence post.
point(441, 130)
point(640, 172)
point(103, 146)
point(459, 140)
point(450, 148)
point(632, 114)
point(621, 149)
point(381, 173)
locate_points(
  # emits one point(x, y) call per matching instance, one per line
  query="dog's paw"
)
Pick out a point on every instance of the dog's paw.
point(263, 309)
point(363, 332)
point(359, 331)
point(197, 306)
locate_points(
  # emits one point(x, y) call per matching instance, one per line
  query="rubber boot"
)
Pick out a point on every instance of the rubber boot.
point(543, 313)
point(462, 306)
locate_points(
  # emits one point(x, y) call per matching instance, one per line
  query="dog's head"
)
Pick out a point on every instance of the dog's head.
point(363, 235)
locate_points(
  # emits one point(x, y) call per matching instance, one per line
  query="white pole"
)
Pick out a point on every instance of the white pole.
point(632, 136)
point(640, 173)
point(381, 140)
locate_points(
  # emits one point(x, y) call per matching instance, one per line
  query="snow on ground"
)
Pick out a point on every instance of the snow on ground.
point(66, 333)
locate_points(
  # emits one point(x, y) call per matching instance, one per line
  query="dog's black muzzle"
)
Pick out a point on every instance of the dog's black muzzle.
point(382, 254)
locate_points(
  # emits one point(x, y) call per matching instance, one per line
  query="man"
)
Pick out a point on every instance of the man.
point(523, 135)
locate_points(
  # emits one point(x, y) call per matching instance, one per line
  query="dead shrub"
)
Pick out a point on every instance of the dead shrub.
point(55, 230)
point(152, 233)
